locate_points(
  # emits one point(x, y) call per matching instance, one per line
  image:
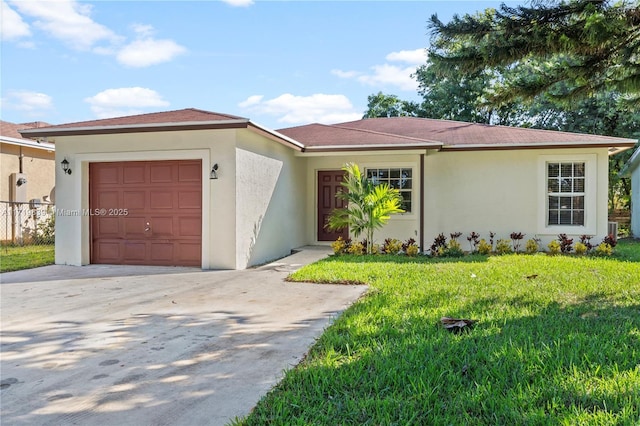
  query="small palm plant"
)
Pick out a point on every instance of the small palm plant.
point(369, 206)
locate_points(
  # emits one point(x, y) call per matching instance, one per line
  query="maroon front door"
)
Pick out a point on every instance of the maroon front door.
point(328, 185)
point(146, 212)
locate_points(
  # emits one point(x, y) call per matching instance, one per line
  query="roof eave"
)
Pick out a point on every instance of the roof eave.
point(135, 128)
point(614, 148)
point(276, 136)
point(378, 147)
point(28, 143)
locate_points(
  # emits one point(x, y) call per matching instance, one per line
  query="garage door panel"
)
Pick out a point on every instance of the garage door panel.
point(107, 200)
point(108, 175)
point(188, 251)
point(108, 227)
point(189, 200)
point(162, 226)
point(134, 227)
point(189, 173)
point(161, 199)
point(161, 252)
point(190, 226)
point(109, 251)
point(134, 199)
point(161, 205)
point(134, 174)
point(162, 173)
point(135, 251)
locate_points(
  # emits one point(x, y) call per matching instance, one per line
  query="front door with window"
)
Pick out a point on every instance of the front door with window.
point(328, 185)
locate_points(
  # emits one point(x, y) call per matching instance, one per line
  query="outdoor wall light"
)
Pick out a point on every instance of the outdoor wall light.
point(21, 181)
point(65, 166)
point(214, 172)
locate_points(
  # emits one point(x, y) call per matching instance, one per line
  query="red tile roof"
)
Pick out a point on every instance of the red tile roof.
point(454, 134)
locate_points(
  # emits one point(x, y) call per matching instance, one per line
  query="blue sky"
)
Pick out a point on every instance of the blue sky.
point(278, 63)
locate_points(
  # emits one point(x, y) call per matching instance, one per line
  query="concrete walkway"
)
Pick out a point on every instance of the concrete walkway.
point(112, 345)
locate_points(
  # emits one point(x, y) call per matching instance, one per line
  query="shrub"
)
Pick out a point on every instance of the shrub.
point(565, 243)
point(452, 250)
point(603, 249)
point(484, 247)
point(391, 246)
point(340, 246)
point(440, 242)
point(586, 240)
point(611, 240)
point(532, 246)
point(503, 246)
point(581, 248)
point(376, 249)
point(356, 248)
point(516, 238)
point(473, 239)
point(554, 247)
point(455, 235)
point(408, 243)
point(412, 250)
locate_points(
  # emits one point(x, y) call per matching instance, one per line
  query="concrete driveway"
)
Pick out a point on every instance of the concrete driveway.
point(112, 345)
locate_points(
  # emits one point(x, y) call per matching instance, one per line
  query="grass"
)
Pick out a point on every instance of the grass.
point(25, 257)
point(557, 342)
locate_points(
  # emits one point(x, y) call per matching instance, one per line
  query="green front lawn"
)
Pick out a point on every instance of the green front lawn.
point(557, 342)
point(16, 258)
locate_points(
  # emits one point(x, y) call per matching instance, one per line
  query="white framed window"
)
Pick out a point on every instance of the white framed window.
point(567, 194)
point(400, 178)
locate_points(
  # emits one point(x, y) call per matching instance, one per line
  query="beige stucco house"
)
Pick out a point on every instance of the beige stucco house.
point(632, 170)
point(192, 187)
point(27, 172)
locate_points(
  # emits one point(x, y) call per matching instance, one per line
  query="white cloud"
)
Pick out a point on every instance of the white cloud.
point(386, 75)
point(68, 21)
point(146, 52)
point(414, 57)
point(250, 101)
point(345, 74)
point(292, 109)
point(32, 103)
point(238, 3)
point(13, 26)
point(124, 101)
point(390, 75)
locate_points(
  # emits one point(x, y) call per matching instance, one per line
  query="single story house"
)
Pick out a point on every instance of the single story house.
point(27, 173)
point(632, 169)
point(192, 187)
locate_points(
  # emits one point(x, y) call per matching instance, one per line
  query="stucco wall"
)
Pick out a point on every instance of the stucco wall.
point(218, 224)
point(504, 192)
point(37, 164)
point(270, 188)
point(400, 226)
point(635, 199)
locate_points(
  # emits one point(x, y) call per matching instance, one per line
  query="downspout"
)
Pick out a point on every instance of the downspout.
point(422, 185)
point(20, 160)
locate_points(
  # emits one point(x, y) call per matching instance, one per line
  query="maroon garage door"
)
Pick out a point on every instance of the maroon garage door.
point(146, 212)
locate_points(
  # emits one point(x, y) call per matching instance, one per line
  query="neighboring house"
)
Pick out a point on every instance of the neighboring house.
point(192, 187)
point(27, 170)
point(632, 169)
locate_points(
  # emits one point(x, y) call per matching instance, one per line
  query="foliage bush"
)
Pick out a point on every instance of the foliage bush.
point(503, 246)
point(412, 250)
point(339, 246)
point(554, 247)
point(392, 246)
point(356, 248)
point(603, 249)
point(566, 243)
point(474, 240)
point(484, 247)
point(440, 242)
point(532, 246)
point(581, 248)
point(516, 238)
